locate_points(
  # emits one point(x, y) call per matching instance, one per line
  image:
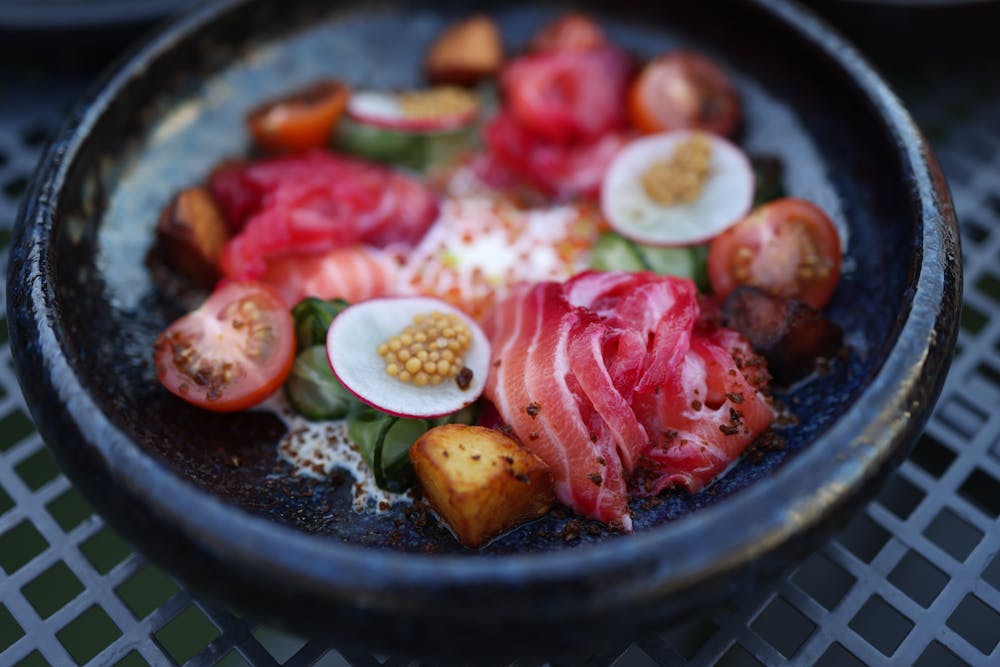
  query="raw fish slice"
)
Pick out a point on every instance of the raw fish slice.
point(707, 415)
point(531, 389)
point(595, 481)
point(316, 202)
point(586, 354)
point(354, 273)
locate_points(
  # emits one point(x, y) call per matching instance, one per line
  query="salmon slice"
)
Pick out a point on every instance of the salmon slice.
point(353, 273)
point(707, 414)
point(533, 386)
point(605, 379)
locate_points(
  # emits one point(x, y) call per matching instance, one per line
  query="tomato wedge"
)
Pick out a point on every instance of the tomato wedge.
point(683, 91)
point(789, 247)
point(301, 120)
point(232, 352)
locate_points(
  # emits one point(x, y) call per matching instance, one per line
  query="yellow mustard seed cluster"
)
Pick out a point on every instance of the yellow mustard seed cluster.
point(680, 178)
point(436, 102)
point(429, 351)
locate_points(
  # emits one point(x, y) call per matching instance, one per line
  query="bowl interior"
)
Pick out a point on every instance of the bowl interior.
point(175, 120)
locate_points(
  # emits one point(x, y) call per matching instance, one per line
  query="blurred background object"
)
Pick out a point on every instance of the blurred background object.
point(899, 30)
point(39, 26)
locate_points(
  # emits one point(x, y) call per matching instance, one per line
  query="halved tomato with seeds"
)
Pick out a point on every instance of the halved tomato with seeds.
point(684, 91)
point(299, 121)
point(788, 247)
point(232, 352)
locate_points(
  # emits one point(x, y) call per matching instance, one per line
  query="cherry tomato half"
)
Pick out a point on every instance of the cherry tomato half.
point(570, 32)
point(231, 353)
point(683, 91)
point(299, 121)
point(788, 247)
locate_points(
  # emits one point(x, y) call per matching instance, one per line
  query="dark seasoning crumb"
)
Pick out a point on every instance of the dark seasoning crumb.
point(464, 378)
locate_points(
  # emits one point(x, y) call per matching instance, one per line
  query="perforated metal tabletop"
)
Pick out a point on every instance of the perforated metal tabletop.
point(914, 578)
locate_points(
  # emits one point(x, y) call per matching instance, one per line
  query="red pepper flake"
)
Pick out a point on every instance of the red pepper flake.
point(696, 404)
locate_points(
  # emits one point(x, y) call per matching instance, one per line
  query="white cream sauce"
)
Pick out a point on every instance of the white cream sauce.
point(317, 448)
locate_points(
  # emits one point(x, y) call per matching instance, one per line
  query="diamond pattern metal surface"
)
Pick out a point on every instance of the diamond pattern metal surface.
point(914, 579)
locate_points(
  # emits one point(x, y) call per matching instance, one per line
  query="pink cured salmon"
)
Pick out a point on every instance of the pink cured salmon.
point(531, 388)
point(353, 273)
point(708, 413)
point(313, 203)
point(590, 374)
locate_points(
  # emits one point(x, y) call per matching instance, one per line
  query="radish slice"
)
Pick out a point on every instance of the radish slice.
point(351, 347)
point(726, 196)
point(387, 110)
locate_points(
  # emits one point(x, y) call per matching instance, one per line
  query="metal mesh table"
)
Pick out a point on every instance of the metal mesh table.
point(914, 579)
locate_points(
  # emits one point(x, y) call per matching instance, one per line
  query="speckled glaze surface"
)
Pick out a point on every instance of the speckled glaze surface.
point(204, 494)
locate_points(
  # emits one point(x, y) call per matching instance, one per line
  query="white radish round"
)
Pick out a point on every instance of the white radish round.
point(352, 349)
point(726, 194)
point(385, 109)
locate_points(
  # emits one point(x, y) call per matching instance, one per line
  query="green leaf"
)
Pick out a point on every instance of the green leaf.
point(312, 318)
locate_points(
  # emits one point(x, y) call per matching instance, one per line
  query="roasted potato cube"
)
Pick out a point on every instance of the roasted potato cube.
point(480, 481)
point(191, 234)
point(465, 53)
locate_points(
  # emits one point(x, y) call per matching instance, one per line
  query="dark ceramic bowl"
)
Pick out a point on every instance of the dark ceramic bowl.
point(894, 30)
point(203, 494)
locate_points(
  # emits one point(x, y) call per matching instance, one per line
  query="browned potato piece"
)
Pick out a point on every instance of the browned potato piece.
point(191, 233)
point(465, 53)
point(480, 481)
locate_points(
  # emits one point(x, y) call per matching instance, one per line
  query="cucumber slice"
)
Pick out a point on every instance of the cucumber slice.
point(312, 389)
point(687, 262)
point(312, 318)
point(418, 150)
point(613, 252)
point(384, 443)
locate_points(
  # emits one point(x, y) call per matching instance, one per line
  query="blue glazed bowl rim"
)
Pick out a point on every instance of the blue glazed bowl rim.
point(797, 497)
